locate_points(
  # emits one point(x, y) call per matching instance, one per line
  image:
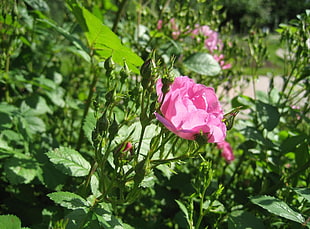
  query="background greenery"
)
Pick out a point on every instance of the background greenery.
point(61, 94)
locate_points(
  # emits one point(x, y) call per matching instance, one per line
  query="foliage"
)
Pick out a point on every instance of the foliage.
point(80, 146)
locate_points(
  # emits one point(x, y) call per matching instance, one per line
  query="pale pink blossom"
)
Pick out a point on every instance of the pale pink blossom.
point(227, 151)
point(189, 109)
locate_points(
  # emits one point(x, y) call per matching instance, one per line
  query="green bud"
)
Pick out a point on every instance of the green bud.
point(109, 64)
point(146, 72)
point(109, 97)
point(102, 124)
point(125, 72)
point(113, 129)
point(201, 138)
point(166, 84)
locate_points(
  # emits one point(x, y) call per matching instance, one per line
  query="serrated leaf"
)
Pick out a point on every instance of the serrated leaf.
point(69, 161)
point(20, 170)
point(9, 222)
point(277, 207)
point(69, 200)
point(243, 219)
point(203, 63)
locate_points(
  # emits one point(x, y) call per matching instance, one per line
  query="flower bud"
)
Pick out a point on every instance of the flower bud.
point(146, 72)
point(102, 124)
point(125, 73)
point(109, 97)
point(113, 129)
point(201, 138)
point(123, 153)
point(109, 65)
point(166, 84)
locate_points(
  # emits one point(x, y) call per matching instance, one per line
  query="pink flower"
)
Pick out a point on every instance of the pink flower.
point(175, 29)
point(227, 151)
point(159, 24)
point(220, 60)
point(128, 147)
point(189, 109)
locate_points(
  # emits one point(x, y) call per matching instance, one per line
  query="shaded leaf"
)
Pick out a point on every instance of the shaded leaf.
point(304, 192)
point(268, 115)
point(21, 170)
point(277, 207)
point(203, 63)
point(69, 161)
point(183, 209)
point(89, 125)
point(243, 219)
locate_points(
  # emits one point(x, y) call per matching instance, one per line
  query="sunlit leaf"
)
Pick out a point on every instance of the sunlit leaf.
point(69, 161)
point(102, 40)
point(277, 207)
point(9, 222)
point(203, 63)
point(68, 200)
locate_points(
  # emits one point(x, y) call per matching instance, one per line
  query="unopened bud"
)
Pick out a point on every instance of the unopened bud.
point(109, 97)
point(201, 138)
point(166, 84)
point(125, 73)
point(146, 72)
point(102, 124)
point(109, 64)
point(113, 129)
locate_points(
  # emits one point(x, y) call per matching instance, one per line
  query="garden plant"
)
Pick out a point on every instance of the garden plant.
point(134, 114)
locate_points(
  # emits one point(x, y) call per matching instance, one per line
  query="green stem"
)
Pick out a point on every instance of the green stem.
point(91, 172)
point(201, 212)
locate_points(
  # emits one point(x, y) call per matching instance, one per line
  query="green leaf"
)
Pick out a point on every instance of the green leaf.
point(268, 115)
point(203, 63)
point(89, 125)
point(79, 48)
point(277, 207)
point(243, 219)
point(9, 222)
point(69, 200)
point(106, 218)
point(21, 170)
point(304, 192)
point(257, 136)
point(77, 218)
point(102, 40)
point(183, 209)
point(69, 161)
point(242, 100)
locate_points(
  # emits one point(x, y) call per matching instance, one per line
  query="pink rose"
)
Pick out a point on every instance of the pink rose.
point(189, 109)
point(227, 151)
